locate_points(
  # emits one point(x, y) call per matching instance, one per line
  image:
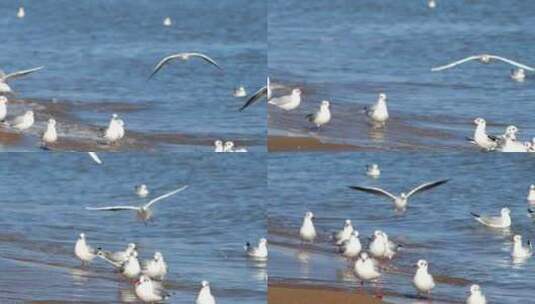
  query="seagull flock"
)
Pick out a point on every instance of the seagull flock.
point(506, 142)
point(148, 276)
point(366, 260)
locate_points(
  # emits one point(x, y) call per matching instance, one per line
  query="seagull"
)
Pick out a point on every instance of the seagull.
point(476, 296)
point(518, 74)
point(142, 190)
point(432, 4)
point(509, 143)
point(501, 221)
point(144, 212)
point(400, 202)
point(3, 108)
point(344, 234)
point(167, 21)
point(263, 91)
point(378, 245)
point(4, 78)
point(483, 58)
point(307, 231)
point(240, 91)
point(119, 257)
point(147, 292)
point(481, 138)
point(183, 57)
point(83, 251)
point(520, 251)
point(21, 13)
point(321, 117)
point(155, 268)
point(390, 247)
point(378, 112)
point(351, 247)
point(287, 102)
point(531, 194)
point(365, 269)
point(131, 268)
point(205, 295)
point(50, 136)
point(229, 147)
point(260, 252)
point(373, 170)
point(218, 146)
point(113, 131)
point(423, 281)
point(23, 122)
point(95, 157)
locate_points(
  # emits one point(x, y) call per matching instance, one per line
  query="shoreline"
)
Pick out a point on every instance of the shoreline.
point(277, 143)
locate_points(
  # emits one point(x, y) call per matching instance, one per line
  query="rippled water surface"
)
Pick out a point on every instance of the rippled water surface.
point(437, 225)
point(349, 51)
point(103, 51)
point(200, 231)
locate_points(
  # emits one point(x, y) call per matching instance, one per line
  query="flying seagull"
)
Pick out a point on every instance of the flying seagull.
point(143, 211)
point(483, 58)
point(4, 78)
point(400, 202)
point(183, 57)
point(264, 91)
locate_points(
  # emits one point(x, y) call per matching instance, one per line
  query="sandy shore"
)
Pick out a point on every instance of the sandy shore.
point(290, 293)
point(285, 144)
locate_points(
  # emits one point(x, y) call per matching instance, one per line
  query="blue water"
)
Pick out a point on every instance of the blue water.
point(200, 231)
point(349, 51)
point(104, 50)
point(437, 225)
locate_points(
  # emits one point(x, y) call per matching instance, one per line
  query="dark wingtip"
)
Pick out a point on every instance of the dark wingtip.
point(475, 214)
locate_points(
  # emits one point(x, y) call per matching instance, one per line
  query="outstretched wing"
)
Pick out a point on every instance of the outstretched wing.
point(427, 186)
point(374, 190)
point(112, 208)
point(206, 58)
point(21, 73)
point(257, 96)
point(95, 157)
point(444, 67)
point(163, 62)
point(520, 65)
point(161, 197)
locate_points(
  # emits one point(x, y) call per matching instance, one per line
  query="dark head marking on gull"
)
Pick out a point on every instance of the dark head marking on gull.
point(183, 57)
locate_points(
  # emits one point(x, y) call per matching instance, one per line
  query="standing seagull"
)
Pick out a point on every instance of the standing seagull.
point(365, 269)
point(531, 194)
point(344, 234)
point(501, 221)
point(519, 250)
point(83, 251)
point(155, 268)
point(378, 112)
point(322, 116)
point(205, 295)
point(287, 102)
point(4, 78)
point(400, 202)
point(113, 132)
point(147, 292)
point(307, 231)
point(142, 190)
point(423, 281)
point(21, 13)
point(263, 91)
point(352, 246)
point(23, 122)
point(481, 138)
point(476, 296)
point(259, 252)
point(483, 58)
point(183, 57)
point(518, 74)
point(3, 108)
point(144, 212)
point(50, 136)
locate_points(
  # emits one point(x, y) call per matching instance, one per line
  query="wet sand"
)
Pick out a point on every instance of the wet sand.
point(301, 143)
point(75, 134)
point(294, 293)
